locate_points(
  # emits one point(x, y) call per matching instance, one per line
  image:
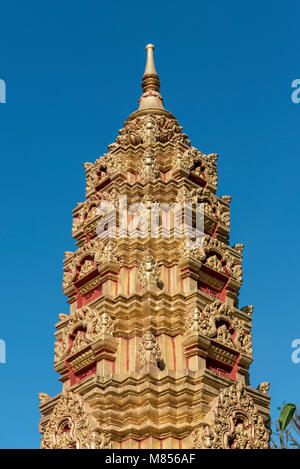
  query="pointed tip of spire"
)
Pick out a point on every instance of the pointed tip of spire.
point(150, 78)
point(150, 67)
point(150, 84)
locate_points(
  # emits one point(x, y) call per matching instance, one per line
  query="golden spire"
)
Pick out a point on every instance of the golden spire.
point(150, 99)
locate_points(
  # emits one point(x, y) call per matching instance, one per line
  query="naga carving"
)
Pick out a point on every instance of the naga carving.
point(70, 426)
point(207, 247)
point(96, 249)
point(233, 423)
point(95, 325)
point(218, 321)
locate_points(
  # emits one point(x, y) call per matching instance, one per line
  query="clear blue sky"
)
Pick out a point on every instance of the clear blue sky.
point(73, 72)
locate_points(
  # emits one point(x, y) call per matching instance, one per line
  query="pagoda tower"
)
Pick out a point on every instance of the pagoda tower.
point(155, 351)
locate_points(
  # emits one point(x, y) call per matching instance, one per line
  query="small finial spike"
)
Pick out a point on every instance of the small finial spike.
point(150, 67)
point(150, 99)
point(150, 79)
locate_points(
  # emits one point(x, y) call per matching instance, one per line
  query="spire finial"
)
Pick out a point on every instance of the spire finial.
point(150, 84)
point(150, 67)
point(150, 79)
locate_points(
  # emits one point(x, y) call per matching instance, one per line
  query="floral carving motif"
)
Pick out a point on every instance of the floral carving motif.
point(150, 129)
point(215, 263)
point(67, 278)
point(208, 321)
point(91, 176)
point(248, 309)
point(203, 437)
point(77, 225)
point(98, 250)
point(69, 426)
point(236, 421)
point(187, 159)
point(225, 218)
point(148, 352)
point(109, 252)
point(227, 198)
point(79, 342)
point(237, 272)
point(111, 197)
point(205, 166)
point(195, 322)
point(59, 351)
point(103, 326)
point(194, 249)
point(86, 268)
point(247, 344)
point(233, 423)
point(239, 247)
point(115, 163)
point(43, 397)
point(184, 196)
point(264, 387)
point(95, 325)
point(224, 336)
point(207, 244)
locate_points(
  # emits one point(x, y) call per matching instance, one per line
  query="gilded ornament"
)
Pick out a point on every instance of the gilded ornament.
point(148, 352)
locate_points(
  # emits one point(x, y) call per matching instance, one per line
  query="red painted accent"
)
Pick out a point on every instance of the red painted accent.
point(174, 352)
point(169, 279)
point(234, 369)
point(187, 362)
point(126, 439)
point(128, 279)
point(112, 363)
point(180, 444)
point(85, 374)
point(72, 377)
point(210, 292)
point(90, 296)
point(127, 354)
point(103, 350)
point(78, 296)
point(87, 238)
point(76, 378)
point(216, 230)
point(219, 371)
point(224, 291)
